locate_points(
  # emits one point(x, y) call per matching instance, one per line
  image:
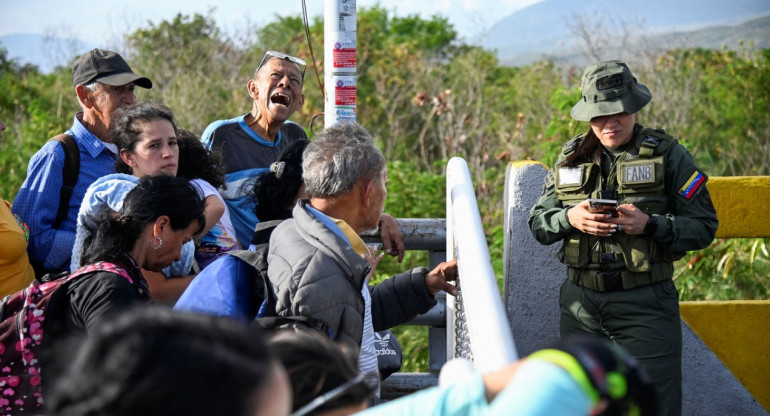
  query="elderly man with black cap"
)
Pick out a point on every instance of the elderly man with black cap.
point(61, 171)
point(626, 201)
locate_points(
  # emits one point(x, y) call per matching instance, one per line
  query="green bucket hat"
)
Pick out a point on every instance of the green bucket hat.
point(609, 88)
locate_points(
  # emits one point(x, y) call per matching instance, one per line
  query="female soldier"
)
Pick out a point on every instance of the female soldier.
point(620, 262)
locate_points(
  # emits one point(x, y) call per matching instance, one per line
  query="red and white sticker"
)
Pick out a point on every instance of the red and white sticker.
point(345, 90)
point(344, 54)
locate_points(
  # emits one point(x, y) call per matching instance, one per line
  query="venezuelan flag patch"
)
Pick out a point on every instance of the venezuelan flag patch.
point(691, 186)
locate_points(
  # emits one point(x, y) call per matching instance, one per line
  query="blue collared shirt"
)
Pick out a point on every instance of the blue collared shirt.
point(38, 199)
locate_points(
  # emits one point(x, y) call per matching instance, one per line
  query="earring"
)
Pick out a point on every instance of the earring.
point(160, 243)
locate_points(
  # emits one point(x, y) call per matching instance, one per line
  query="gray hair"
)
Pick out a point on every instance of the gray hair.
point(92, 86)
point(338, 158)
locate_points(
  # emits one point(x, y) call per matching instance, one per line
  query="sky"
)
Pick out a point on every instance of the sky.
point(100, 21)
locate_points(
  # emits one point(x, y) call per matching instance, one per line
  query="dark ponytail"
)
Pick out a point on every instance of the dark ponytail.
point(275, 190)
point(588, 149)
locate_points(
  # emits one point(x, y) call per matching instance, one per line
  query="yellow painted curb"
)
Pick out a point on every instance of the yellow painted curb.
point(738, 332)
point(741, 203)
point(516, 164)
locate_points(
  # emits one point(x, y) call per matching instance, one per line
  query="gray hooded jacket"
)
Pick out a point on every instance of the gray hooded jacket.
point(317, 274)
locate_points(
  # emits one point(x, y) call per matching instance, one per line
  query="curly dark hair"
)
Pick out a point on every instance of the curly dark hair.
point(198, 162)
point(315, 365)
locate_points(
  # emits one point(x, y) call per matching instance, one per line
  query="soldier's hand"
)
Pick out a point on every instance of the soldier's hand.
point(581, 217)
point(631, 221)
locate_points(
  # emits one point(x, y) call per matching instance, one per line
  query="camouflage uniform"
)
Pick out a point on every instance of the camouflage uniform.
point(620, 286)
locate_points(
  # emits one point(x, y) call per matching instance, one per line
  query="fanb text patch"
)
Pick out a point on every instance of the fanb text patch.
point(639, 173)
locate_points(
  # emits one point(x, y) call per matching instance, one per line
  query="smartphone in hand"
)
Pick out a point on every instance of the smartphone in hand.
point(604, 206)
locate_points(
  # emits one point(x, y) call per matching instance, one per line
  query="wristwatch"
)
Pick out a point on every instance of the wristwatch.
point(651, 226)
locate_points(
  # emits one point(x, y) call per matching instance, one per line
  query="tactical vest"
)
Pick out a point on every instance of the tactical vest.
point(637, 177)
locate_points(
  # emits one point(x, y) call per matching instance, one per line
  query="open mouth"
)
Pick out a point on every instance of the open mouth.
point(280, 99)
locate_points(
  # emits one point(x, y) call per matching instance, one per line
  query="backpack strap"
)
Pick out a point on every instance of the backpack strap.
point(252, 258)
point(3, 305)
point(263, 230)
point(101, 266)
point(70, 172)
point(259, 286)
point(654, 142)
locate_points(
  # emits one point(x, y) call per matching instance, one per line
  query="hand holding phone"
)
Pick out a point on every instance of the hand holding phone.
point(603, 206)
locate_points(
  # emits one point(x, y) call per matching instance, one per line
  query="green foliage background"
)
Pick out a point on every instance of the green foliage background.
point(428, 96)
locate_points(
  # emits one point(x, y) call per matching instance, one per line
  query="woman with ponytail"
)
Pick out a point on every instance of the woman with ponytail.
point(159, 215)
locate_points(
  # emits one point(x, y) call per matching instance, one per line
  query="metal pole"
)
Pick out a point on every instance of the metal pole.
point(340, 61)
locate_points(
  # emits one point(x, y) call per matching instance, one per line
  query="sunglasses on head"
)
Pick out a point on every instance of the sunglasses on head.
point(273, 54)
point(368, 379)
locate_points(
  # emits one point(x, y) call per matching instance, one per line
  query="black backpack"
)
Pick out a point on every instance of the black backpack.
point(257, 258)
point(23, 327)
point(236, 284)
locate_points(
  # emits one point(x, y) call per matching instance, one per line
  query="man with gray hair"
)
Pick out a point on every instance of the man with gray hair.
point(319, 267)
point(104, 83)
point(251, 142)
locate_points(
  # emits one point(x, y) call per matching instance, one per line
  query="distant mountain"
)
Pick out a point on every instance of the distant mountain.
point(543, 28)
point(45, 52)
point(715, 37)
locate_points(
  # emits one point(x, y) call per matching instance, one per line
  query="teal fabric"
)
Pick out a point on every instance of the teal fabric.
point(538, 389)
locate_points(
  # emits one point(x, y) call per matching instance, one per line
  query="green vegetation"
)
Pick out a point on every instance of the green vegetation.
point(427, 97)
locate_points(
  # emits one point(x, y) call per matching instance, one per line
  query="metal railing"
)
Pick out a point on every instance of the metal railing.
point(477, 318)
point(475, 324)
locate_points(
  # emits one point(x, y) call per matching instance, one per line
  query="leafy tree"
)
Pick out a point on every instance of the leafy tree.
point(196, 70)
point(35, 107)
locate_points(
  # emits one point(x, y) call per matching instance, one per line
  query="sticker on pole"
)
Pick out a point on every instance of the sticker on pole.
point(347, 19)
point(344, 54)
point(345, 91)
point(345, 114)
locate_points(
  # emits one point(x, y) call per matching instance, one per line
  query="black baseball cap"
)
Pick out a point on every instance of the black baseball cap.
point(106, 67)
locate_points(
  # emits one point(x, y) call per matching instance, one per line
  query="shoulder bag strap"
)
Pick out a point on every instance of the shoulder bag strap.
point(70, 172)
